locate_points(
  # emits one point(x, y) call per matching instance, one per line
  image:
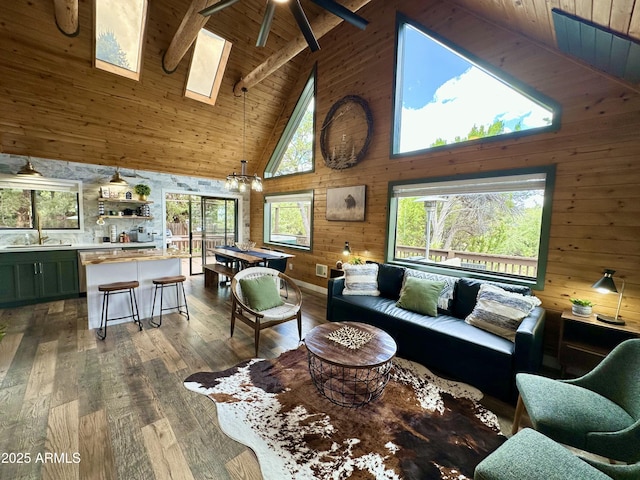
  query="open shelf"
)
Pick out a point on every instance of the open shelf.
point(123, 200)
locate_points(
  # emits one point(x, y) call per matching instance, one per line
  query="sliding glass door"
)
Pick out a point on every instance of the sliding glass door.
point(196, 224)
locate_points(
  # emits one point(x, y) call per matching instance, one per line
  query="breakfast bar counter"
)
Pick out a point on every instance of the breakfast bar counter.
point(124, 266)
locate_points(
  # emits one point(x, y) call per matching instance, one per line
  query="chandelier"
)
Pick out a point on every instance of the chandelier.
point(239, 183)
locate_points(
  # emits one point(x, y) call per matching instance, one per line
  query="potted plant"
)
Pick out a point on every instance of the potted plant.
point(581, 308)
point(142, 190)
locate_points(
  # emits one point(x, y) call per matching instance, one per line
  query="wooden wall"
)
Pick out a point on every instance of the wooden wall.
point(54, 104)
point(596, 207)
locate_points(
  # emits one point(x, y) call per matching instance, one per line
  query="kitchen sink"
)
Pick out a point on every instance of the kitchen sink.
point(46, 245)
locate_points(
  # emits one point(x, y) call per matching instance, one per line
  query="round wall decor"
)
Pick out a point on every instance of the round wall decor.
point(346, 132)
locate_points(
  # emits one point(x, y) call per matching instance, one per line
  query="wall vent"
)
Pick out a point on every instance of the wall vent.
point(321, 270)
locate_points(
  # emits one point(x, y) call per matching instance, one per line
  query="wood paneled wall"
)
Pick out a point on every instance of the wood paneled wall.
point(54, 104)
point(596, 207)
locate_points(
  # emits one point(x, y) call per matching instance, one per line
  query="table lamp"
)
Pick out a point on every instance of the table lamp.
point(607, 285)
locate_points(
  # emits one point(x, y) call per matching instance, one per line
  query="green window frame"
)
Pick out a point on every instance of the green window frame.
point(288, 219)
point(304, 106)
point(431, 209)
point(464, 100)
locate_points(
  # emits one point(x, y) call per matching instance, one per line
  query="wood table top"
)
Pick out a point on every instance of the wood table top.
point(247, 257)
point(118, 256)
point(377, 351)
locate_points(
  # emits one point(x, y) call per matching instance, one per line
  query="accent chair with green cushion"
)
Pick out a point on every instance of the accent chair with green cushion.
point(598, 412)
point(256, 300)
point(529, 455)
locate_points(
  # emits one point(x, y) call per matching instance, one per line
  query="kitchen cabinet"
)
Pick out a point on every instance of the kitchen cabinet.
point(32, 277)
point(105, 205)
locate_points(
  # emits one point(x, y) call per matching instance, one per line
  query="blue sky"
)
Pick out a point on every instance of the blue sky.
point(444, 95)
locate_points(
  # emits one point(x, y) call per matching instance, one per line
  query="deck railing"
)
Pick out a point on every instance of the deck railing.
point(522, 266)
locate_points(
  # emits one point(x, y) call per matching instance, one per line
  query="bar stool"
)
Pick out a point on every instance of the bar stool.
point(174, 281)
point(109, 289)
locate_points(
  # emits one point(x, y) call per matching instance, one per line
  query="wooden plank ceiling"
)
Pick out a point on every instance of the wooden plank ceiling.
point(56, 106)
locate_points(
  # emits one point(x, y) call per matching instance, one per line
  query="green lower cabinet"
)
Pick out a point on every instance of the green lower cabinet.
point(32, 277)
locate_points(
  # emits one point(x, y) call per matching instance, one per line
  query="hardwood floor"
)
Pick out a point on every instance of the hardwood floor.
point(75, 407)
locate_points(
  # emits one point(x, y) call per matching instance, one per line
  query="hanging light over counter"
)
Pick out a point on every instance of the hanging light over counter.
point(28, 171)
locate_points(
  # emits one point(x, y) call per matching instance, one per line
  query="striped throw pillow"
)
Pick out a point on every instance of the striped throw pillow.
point(361, 279)
point(501, 312)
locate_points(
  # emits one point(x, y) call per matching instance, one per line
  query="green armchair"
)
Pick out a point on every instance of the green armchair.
point(598, 412)
point(529, 455)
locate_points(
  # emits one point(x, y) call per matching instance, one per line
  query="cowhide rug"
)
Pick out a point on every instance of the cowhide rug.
point(422, 427)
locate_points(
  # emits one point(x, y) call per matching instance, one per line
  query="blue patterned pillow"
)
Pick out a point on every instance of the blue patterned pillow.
point(361, 279)
point(501, 312)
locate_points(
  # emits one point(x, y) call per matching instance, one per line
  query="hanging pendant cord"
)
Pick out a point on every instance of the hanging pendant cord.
point(244, 122)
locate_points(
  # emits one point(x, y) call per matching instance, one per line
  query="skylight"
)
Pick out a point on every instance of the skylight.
point(119, 32)
point(207, 67)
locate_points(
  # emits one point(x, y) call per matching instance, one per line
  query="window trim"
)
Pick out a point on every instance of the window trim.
point(500, 75)
point(545, 228)
point(217, 80)
point(115, 69)
point(308, 94)
point(49, 184)
point(287, 197)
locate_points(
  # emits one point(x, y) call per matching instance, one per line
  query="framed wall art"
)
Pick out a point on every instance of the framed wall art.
point(346, 203)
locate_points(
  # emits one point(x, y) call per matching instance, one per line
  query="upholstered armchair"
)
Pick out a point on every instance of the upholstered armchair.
point(598, 412)
point(259, 300)
point(529, 455)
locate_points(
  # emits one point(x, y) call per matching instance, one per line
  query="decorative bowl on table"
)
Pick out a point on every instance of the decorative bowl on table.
point(245, 246)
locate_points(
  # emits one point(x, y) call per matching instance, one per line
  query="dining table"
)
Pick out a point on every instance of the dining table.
point(250, 258)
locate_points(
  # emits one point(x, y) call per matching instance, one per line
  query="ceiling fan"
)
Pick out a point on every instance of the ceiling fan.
point(298, 13)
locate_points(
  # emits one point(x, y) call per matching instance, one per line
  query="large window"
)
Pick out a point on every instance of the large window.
point(288, 219)
point(444, 96)
point(493, 225)
point(119, 31)
point(29, 203)
point(208, 63)
point(294, 151)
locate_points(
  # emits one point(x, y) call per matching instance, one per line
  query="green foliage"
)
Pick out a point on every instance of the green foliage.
point(142, 189)
point(290, 218)
point(15, 208)
point(108, 49)
point(356, 261)
point(581, 302)
point(299, 154)
point(496, 128)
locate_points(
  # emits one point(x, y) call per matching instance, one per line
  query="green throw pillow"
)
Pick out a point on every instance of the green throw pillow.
point(261, 293)
point(420, 295)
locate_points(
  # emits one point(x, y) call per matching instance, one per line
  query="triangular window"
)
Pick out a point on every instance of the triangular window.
point(444, 96)
point(294, 151)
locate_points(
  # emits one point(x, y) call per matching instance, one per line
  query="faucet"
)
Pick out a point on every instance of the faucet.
point(41, 239)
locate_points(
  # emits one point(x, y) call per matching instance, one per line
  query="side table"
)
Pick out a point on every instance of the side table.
point(585, 341)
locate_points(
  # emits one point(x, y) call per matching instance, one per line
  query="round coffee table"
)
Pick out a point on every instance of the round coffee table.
point(350, 362)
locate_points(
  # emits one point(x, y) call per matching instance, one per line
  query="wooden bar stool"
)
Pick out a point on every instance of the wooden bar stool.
point(109, 289)
point(174, 281)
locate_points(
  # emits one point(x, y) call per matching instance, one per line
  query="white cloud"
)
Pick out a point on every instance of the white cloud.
point(471, 98)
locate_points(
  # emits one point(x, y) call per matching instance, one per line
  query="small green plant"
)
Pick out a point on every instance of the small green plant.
point(356, 261)
point(580, 302)
point(142, 189)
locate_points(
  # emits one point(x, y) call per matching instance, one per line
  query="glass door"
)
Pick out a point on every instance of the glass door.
point(197, 224)
point(220, 225)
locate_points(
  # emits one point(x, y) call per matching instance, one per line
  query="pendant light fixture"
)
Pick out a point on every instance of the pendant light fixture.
point(28, 170)
point(117, 179)
point(239, 183)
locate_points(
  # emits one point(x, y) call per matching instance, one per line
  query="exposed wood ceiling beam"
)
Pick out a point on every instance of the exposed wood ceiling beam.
point(187, 32)
point(66, 12)
point(321, 25)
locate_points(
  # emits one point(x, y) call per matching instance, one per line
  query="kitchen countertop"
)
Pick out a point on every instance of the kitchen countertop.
point(73, 246)
point(119, 256)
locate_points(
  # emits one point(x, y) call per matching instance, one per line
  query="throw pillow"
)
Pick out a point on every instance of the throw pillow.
point(466, 294)
point(390, 280)
point(361, 279)
point(261, 293)
point(501, 312)
point(420, 295)
point(446, 296)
